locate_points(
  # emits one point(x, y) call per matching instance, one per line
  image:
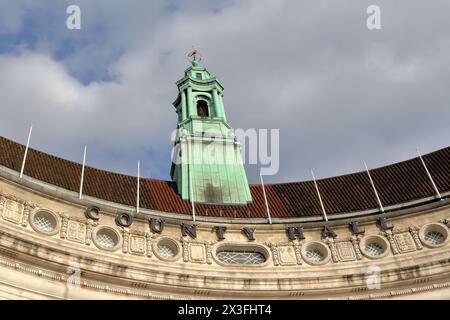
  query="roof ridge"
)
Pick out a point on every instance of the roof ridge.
point(77, 163)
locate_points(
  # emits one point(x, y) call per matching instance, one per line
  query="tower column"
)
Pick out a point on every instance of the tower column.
point(183, 106)
point(217, 106)
point(222, 108)
point(190, 103)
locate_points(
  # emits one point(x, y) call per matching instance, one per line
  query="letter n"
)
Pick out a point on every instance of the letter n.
point(190, 230)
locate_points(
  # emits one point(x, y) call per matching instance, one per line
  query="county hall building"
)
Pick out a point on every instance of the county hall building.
point(69, 231)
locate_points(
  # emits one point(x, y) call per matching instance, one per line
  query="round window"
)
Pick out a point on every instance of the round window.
point(374, 246)
point(374, 249)
point(107, 238)
point(45, 222)
point(316, 253)
point(434, 235)
point(167, 249)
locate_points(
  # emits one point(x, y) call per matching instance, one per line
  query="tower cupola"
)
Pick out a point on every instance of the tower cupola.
point(207, 166)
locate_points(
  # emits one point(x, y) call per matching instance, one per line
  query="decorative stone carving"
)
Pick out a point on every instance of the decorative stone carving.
point(390, 236)
point(197, 252)
point(208, 246)
point(274, 250)
point(298, 252)
point(346, 251)
point(404, 242)
point(13, 210)
point(414, 230)
point(185, 248)
point(90, 224)
point(332, 245)
point(148, 240)
point(29, 206)
point(64, 225)
point(126, 240)
point(137, 244)
point(76, 231)
point(355, 242)
point(286, 254)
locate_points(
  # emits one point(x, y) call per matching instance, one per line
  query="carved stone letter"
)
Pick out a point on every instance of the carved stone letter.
point(249, 233)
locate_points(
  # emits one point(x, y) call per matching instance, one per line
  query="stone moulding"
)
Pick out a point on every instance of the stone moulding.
point(85, 283)
point(141, 293)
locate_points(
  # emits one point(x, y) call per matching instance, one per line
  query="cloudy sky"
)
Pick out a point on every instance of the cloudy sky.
point(338, 92)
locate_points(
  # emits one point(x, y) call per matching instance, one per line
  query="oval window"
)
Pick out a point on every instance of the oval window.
point(241, 257)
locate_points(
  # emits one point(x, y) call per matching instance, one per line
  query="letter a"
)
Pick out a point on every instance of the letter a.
point(374, 20)
point(74, 20)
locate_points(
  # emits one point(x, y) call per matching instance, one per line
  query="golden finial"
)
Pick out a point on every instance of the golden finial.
point(194, 56)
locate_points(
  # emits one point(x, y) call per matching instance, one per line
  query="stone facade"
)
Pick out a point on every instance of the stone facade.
point(49, 249)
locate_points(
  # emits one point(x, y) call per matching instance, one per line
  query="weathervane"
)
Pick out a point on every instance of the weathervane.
point(194, 56)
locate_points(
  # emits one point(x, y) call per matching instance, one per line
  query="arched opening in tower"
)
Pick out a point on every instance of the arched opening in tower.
point(202, 108)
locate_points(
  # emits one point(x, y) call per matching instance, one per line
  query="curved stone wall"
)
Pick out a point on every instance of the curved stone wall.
point(49, 248)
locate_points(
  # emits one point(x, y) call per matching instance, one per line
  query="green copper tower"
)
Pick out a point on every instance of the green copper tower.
point(207, 163)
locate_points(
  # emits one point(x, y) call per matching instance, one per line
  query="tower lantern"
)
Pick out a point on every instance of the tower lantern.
point(208, 166)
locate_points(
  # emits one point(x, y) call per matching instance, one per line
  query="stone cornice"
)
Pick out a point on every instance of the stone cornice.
point(50, 191)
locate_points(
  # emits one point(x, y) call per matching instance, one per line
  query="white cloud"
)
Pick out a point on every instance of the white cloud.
point(338, 92)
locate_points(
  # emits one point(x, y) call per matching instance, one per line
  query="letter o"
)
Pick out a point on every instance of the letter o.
point(121, 216)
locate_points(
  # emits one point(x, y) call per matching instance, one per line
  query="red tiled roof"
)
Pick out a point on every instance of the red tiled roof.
point(397, 183)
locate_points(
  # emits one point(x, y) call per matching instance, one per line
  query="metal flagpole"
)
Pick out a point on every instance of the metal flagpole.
point(265, 198)
point(429, 175)
point(82, 172)
point(138, 184)
point(190, 165)
point(26, 152)
point(320, 198)
point(374, 189)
